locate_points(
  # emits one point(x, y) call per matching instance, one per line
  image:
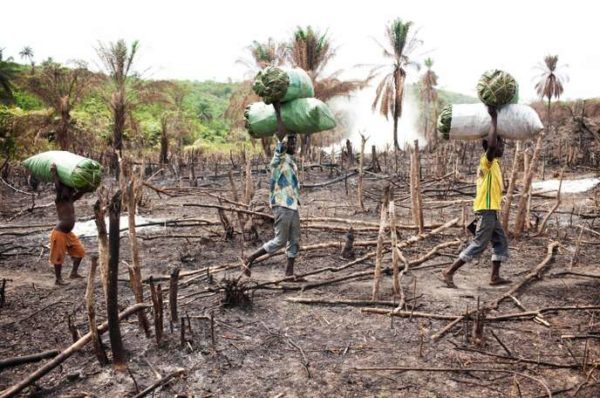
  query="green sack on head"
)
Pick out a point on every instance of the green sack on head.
point(73, 170)
point(497, 88)
point(275, 84)
point(301, 116)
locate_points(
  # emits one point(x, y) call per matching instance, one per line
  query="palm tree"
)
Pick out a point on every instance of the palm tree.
point(61, 88)
point(550, 82)
point(311, 50)
point(263, 55)
point(390, 91)
point(429, 96)
point(8, 72)
point(118, 58)
point(27, 53)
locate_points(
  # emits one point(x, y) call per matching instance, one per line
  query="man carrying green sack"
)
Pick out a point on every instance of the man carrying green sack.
point(62, 239)
point(284, 199)
point(73, 170)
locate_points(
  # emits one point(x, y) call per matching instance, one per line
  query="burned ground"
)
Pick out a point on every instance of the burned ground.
point(279, 347)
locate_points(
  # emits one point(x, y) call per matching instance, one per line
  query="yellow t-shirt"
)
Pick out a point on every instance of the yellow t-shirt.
point(489, 185)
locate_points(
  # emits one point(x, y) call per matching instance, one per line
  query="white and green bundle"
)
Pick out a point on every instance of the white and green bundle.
point(472, 122)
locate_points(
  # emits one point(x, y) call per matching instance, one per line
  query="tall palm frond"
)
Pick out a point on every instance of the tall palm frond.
point(389, 95)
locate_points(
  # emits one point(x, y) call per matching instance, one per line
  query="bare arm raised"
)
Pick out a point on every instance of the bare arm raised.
point(492, 138)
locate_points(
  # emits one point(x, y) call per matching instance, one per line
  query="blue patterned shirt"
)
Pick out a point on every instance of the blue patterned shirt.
point(285, 187)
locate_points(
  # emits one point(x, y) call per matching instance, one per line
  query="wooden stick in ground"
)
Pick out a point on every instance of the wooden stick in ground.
point(47, 367)
point(16, 361)
point(521, 211)
point(418, 195)
point(395, 257)
point(556, 205)
point(575, 257)
point(135, 273)
point(99, 212)
point(234, 193)
point(112, 304)
point(413, 191)
point(249, 184)
point(511, 187)
point(361, 173)
point(160, 383)
point(380, 242)
point(91, 311)
point(535, 273)
point(158, 330)
point(173, 284)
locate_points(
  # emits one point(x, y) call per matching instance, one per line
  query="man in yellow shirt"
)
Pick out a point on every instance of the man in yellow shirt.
point(486, 206)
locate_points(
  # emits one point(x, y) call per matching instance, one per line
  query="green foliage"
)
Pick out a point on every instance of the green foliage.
point(26, 100)
point(7, 142)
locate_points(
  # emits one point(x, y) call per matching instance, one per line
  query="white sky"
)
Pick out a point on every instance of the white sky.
point(202, 39)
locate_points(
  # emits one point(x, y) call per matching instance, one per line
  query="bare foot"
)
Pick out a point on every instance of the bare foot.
point(75, 276)
point(499, 281)
point(59, 282)
point(448, 279)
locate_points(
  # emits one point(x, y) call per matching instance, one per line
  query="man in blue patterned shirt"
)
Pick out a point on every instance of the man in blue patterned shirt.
point(284, 198)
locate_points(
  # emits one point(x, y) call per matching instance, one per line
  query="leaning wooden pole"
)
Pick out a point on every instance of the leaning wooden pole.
point(511, 187)
point(41, 372)
point(91, 311)
point(520, 219)
point(361, 172)
point(556, 205)
point(173, 285)
point(99, 212)
point(419, 197)
point(112, 305)
point(380, 242)
point(135, 273)
point(395, 252)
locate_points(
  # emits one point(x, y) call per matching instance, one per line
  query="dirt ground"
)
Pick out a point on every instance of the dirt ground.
point(279, 348)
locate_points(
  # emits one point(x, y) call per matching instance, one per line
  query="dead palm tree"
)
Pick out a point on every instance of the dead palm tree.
point(117, 59)
point(27, 53)
point(551, 82)
point(429, 96)
point(390, 91)
point(61, 88)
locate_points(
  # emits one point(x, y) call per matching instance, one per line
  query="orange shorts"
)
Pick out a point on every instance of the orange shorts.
point(62, 243)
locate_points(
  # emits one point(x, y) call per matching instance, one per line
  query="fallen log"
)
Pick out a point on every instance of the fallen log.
point(535, 273)
point(330, 182)
point(16, 361)
point(160, 382)
point(41, 372)
point(456, 370)
point(583, 274)
point(358, 303)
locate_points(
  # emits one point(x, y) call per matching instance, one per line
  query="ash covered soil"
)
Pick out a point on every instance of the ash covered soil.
point(280, 348)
